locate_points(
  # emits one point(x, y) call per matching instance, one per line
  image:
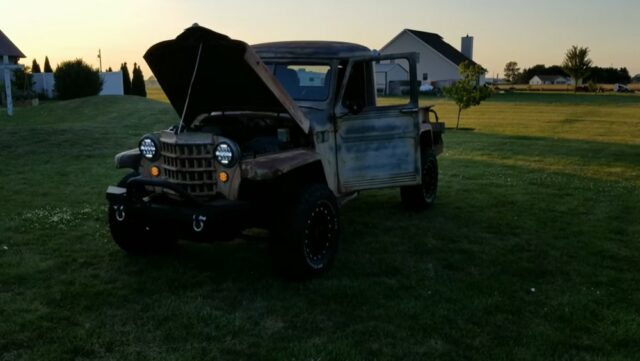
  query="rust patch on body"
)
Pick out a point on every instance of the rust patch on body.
point(274, 165)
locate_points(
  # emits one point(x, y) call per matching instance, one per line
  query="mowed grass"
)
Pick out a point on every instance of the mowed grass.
point(531, 252)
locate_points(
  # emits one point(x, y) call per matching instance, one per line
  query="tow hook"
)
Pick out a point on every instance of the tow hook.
point(119, 213)
point(198, 222)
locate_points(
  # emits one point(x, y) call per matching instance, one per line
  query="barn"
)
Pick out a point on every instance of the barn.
point(386, 74)
point(439, 61)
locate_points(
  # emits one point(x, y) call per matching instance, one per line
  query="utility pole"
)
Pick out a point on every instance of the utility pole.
point(100, 59)
point(7, 81)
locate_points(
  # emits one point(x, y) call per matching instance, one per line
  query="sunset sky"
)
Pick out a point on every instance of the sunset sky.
point(529, 32)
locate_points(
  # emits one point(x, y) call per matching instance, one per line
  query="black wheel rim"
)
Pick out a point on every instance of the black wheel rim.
point(320, 235)
point(430, 180)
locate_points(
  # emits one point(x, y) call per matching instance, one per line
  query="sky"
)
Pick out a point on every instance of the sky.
point(528, 32)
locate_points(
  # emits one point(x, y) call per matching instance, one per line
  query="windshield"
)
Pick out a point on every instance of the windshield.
point(304, 81)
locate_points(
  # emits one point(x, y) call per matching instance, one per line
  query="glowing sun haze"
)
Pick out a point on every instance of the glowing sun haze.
point(529, 32)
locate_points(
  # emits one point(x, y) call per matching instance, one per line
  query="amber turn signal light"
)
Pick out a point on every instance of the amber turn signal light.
point(155, 171)
point(223, 177)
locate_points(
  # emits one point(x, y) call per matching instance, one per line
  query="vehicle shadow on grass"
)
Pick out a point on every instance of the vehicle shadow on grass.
point(241, 260)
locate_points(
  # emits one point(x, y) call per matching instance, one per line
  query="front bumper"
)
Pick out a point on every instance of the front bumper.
point(189, 218)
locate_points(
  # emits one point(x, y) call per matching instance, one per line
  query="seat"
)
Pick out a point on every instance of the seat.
point(289, 80)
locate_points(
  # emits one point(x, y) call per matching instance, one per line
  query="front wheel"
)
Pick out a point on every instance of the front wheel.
point(306, 236)
point(422, 196)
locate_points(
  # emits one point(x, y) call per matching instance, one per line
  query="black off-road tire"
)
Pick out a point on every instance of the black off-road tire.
point(133, 236)
point(422, 196)
point(305, 241)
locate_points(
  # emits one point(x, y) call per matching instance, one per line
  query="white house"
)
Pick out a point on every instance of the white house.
point(550, 80)
point(9, 56)
point(386, 73)
point(439, 61)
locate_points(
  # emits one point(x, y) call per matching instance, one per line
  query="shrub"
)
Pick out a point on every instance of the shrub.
point(47, 66)
point(76, 79)
point(126, 79)
point(22, 85)
point(137, 82)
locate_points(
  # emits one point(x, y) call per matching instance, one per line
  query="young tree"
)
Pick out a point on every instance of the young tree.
point(511, 71)
point(126, 79)
point(577, 63)
point(35, 67)
point(47, 66)
point(22, 84)
point(76, 79)
point(137, 82)
point(468, 92)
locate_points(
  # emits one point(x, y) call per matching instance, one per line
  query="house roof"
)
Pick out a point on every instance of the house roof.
point(438, 44)
point(9, 48)
point(384, 67)
point(550, 77)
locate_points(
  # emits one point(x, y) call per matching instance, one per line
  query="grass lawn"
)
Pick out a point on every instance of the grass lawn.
point(531, 252)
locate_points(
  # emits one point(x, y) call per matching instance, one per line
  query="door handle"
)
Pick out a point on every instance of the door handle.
point(409, 110)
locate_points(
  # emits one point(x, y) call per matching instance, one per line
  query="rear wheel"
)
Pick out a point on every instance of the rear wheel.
point(422, 196)
point(306, 237)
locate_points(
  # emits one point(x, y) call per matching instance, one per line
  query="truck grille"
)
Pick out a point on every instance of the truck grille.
point(191, 166)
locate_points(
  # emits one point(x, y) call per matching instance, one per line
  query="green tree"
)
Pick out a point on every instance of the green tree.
point(468, 92)
point(35, 67)
point(76, 79)
point(126, 79)
point(511, 71)
point(47, 66)
point(137, 82)
point(22, 84)
point(577, 63)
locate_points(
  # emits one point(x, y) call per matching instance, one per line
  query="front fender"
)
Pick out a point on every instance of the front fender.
point(128, 159)
point(274, 165)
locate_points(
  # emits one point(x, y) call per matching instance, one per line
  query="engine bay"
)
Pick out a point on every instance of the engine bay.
point(255, 133)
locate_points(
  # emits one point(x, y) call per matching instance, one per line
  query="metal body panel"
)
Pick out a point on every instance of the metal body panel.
point(273, 165)
point(202, 71)
point(310, 49)
point(128, 159)
point(380, 146)
point(377, 148)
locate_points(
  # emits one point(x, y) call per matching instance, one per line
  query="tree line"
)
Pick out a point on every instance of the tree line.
point(576, 64)
point(77, 78)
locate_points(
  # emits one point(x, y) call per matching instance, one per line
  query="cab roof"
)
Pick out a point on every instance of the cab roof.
point(310, 50)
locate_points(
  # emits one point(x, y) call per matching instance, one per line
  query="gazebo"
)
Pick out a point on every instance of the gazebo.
point(9, 54)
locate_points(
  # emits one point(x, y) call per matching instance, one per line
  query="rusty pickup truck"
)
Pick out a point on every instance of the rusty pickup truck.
point(275, 136)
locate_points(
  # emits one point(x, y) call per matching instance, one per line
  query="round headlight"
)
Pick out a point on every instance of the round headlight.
point(148, 148)
point(225, 155)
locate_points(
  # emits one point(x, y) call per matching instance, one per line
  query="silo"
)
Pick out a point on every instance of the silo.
point(467, 46)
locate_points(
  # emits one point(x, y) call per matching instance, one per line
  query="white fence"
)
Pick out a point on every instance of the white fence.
point(111, 83)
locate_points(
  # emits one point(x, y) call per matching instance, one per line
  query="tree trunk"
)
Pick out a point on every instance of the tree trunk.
point(458, 122)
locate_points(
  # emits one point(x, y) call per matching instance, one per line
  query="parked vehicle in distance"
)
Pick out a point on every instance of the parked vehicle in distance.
point(621, 88)
point(275, 135)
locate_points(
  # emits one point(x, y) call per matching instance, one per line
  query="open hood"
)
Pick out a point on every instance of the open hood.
point(229, 76)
